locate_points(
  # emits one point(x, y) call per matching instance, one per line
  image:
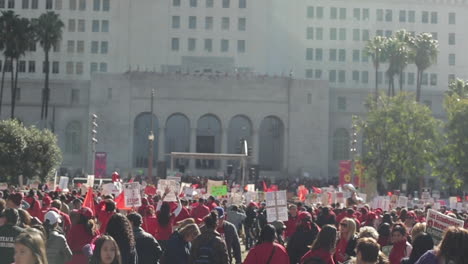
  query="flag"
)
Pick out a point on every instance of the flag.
point(302, 192)
point(345, 172)
point(265, 188)
point(120, 202)
point(274, 188)
point(316, 190)
point(89, 200)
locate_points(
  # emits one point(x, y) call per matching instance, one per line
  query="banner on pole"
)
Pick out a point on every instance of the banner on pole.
point(132, 194)
point(100, 164)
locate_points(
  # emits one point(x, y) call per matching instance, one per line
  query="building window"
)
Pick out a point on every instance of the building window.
point(411, 16)
point(22, 66)
point(193, 3)
point(341, 144)
point(175, 44)
point(209, 45)
point(451, 39)
point(80, 46)
point(388, 33)
point(72, 4)
point(224, 45)
point(379, 32)
point(25, 4)
point(356, 55)
point(93, 67)
point(94, 47)
point(318, 54)
point(310, 33)
point(73, 136)
point(388, 15)
point(70, 46)
point(425, 17)
point(433, 80)
point(365, 77)
point(309, 54)
point(319, 33)
point(95, 26)
point(105, 5)
point(411, 78)
point(241, 25)
point(192, 22)
point(225, 23)
point(342, 76)
point(364, 57)
point(333, 13)
point(380, 14)
point(310, 12)
point(402, 16)
point(81, 25)
point(309, 73)
point(49, 4)
point(342, 55)
point(452, 18)
point(451, 59)
point(332, 55)
point(242, 3)
point(356, 76)
point(58, 4)
point(175, 21)
point(55, 67)
point(226, 3)
point(357, 14)
point(82, 5)
point(241, 46)
point(103, 67)
point(71, 25)
point(365, 35)
point(70, 67)
point(75, 96)
point(318, 74)
point(209, 23)
point(451, 78)
point(34, 4)
point(2, 3)
point(342, 33)
point(105, 26)
point(319, 12)
point(32, 66)
point(341, 103)
point(342, 13)
point(96, 5)
point(434, 18)
point(79, 68)
point(333, 34)
point(175, 2)
point(356, 34)
point(209, 3)
point(365, 14)
point(332, 76)
point(11, 3)
point(424, 79)
point(191, 44)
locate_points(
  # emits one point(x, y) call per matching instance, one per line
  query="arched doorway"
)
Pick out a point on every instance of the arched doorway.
point(271, 144)
point(208, 139)
point(141, 131)
point(177, 138)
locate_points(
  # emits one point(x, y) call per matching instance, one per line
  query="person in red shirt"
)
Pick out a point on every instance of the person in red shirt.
point(82, 234)
point(104, 216)
point(165, 219)
point(34, 205)
point(46, 201)
point(200, 211)
point(149, 220)
point(211, 203)
point(184, 213)
point(267, 251)
point(292, 222)
point(323, 246)
point(347, 241)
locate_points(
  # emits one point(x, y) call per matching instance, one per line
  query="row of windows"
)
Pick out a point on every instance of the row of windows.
point(207, 45)
point(49, 4)
point(98, 5)
point(80, 46)
point(317, 54)
point(381, 15)
point(210, 3)
point(225, 23)
point(97, 26)
point(337, 34)
point(71, 67)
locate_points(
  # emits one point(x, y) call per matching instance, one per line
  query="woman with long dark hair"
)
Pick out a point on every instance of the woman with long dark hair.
point(106, 251)
point(121, 230)
point(323, 247)
point(81, 234)
point(421, 244)
point(165, 219)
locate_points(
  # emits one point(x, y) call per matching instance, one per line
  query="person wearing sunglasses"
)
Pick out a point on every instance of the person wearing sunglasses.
point(346, 241)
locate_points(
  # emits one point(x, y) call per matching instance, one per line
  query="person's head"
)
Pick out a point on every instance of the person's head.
point(421, 244)
point(135, 219)
point(453, 246)
point(164, 214)
point(30, 248)
point(77, 204)
point(211, 199)
point(85, 217)
point(110, 205)
point(387, 218)
point(181, 224)
point(347, 228)
point(121, 230)
point(367, 251)
point(14, 200)
point(384, 230)
point(398, 233)
point(24, 218)
point(418, 229)
point(106, 251)
point(11, 216)
point(326, 239)
point(368, 231)
point(234, 208)
point(220, 212)
point(268, 234)
point(189, 232)
point(211, 220)
point(201, 200)
point(293, 210)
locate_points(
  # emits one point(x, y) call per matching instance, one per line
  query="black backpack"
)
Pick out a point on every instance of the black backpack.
point(206, 253)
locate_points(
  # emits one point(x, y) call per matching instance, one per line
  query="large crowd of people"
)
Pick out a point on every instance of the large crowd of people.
point(40, 227)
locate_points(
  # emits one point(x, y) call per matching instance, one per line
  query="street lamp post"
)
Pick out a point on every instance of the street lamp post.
point(94, 140)
point(353, 151)
point(151, 141)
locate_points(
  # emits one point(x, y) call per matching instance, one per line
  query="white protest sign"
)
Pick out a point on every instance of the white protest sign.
point(459, 207)
point(132, 194)
point(436, 195)
point(3, 186)
point(174, 178)
point(453, 202)
point(250, 187)
point(189, 192)
point(173, 187)
point(114, 188)
point(436, 206)
point(340, 198)
point(184, 185)
point(276, 205)
point(437, 223)
point(90, 181)
point(34, 185)
point(63, 183)
point(425, 196)
point(250, 197)
point(403, 201)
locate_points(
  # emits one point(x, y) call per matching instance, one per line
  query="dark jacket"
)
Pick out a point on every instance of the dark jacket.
point(232, 241)
point(58, 251)
point(220, 255)
point(299, 243)
point(148, 249)
point(8, 234)
point(177, 250)
point(351, 247)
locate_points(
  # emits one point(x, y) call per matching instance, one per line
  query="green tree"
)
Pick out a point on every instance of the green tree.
point(26, 151)
point(453, 164)
point(375, 49)
point(401, 141)
point(49, 33)
point(425, 49)
point(406, 55)
point(393, 53)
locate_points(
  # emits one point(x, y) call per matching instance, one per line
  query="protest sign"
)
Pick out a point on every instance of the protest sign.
point(393, 201)
point(402, 201)
point(150, 190)
point(90, 181)
point(114, 188)
point(184, 185)
point(235, 199)
point(188, 192)
point(63, 183)
point(459, 207)
point(132, 194)
point(453, 202)
point(250, 197)
point(250, 188)
point(438, 222)
point(276, 206)
point(173, 186)
point(219, 190)
point(174, 178)
point(425, 196)
point(211, 183)
point(3, 186)
point(436, 206)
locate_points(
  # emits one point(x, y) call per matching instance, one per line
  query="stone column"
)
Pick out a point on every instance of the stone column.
point(224, 143)
point(255, 147)
point(193, 146)
point(162, 144)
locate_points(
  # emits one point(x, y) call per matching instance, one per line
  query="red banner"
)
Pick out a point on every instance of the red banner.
point(345, 173)
point(100, 164)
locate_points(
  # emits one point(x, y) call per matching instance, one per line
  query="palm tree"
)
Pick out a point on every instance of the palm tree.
point(48, 30)
point(405, 39)
point(7, 19)
point(458, 87)
point(392, 50)
point(425, 50)
point(374, 49)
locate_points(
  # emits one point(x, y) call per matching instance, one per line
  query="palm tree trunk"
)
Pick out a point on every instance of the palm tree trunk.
point(13, 91)
point(3, 83)
point(418, 86)
point(46, 86)
point(401, 80)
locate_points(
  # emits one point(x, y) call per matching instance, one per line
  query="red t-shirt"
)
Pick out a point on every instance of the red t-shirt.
point(340, 254)
point(164, 232)
point(149, 224)
point(291, 225)
point(261, 253)
point(200, 211)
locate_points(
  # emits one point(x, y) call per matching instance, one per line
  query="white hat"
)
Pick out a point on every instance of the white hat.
point(53, 217)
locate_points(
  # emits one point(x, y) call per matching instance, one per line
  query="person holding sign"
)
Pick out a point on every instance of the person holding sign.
point(165, 219)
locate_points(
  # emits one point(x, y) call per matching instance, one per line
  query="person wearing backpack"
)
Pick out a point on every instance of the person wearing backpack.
point(267, 251)
point(209, 247)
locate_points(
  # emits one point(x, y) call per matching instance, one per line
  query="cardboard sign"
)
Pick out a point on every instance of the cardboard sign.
point(173, 187)
point(403, 201)
point(174, 178)
point(438, 222)
point(276, 206)
point(184, 185)
point(219, 190)
point(114, 188)
point(63, 183)
point(3, 186)
point(132, 194)
point(90, 181)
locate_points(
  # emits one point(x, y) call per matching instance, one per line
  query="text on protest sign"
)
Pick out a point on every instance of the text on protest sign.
point(219, 190)
point(276, 206)
point(132, 194)
point(63, 183)
point(114, 188)
point(173, 187)
point(437, 223)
